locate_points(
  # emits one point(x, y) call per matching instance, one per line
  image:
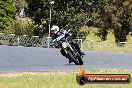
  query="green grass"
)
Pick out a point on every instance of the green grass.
point(93, 42)
point(56, 80)
point(106, 46)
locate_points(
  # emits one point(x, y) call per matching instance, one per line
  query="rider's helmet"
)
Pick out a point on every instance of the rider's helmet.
point(54, 31)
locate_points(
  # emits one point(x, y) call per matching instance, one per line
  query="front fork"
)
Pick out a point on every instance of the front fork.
point(73, 51)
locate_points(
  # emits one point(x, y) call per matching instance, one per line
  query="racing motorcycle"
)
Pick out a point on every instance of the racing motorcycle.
point(69, 51)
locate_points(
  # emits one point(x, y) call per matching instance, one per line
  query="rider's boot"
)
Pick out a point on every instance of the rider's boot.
point(82, 53)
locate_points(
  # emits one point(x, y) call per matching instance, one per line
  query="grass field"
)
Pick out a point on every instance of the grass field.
point(55, 80)
point(106, 46)
point(93, 42)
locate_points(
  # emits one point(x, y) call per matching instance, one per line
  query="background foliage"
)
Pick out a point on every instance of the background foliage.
point(7, 14)
point(106, 15)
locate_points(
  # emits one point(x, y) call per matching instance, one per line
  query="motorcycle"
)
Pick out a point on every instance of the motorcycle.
point(70, 51)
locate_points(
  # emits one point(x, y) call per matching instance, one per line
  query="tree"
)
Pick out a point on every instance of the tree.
point(120, 10)
point(73, 14)
point(67, 13)
point(113, 14)
point(20, 5)
point(101, 19)
point(7, 14)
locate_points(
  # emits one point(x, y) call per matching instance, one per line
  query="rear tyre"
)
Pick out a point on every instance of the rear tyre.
point(72, 58)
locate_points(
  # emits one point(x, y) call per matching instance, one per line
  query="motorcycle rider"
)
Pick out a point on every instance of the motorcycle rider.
point(56, 35)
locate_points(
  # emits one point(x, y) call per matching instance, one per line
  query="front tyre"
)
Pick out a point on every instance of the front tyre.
point(72, 58)
point(80, 61)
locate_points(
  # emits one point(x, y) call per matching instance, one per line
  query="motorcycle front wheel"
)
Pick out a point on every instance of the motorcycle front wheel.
point(70, 55)
point(80, 61)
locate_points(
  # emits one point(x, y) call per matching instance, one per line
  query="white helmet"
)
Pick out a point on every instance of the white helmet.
point(54, 28)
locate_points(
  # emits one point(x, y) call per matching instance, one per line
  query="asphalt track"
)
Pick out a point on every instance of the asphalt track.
point(23, 59)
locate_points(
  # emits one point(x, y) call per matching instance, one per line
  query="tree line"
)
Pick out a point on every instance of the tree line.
point(106, 15)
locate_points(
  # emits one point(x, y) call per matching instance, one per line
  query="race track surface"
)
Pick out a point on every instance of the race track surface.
point(23, 59)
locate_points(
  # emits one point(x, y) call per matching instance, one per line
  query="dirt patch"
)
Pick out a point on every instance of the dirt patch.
point(17, 74)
